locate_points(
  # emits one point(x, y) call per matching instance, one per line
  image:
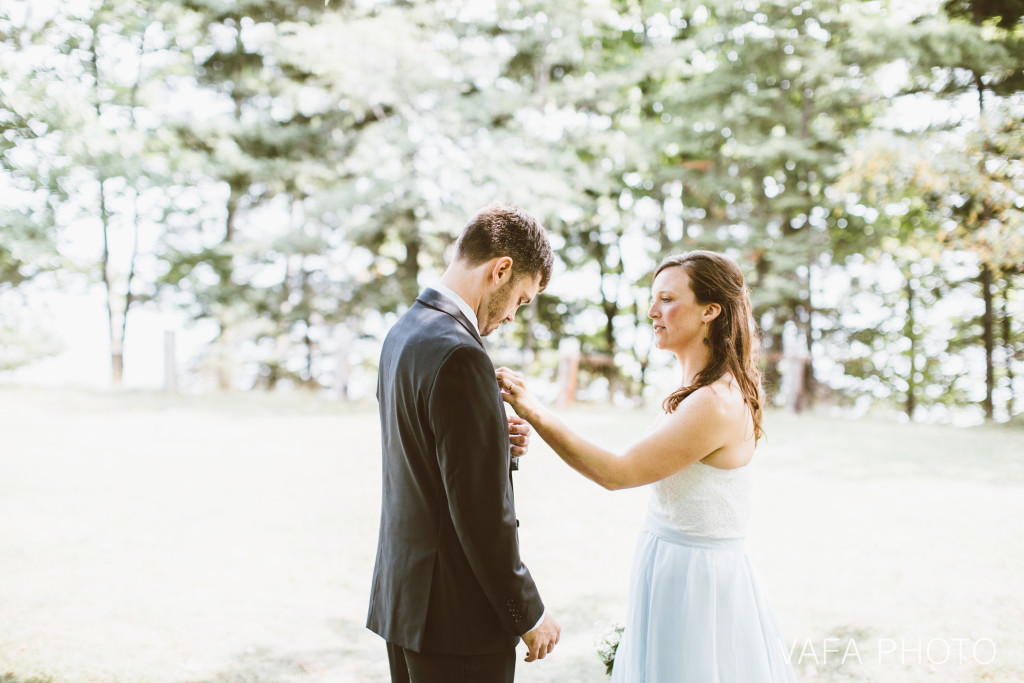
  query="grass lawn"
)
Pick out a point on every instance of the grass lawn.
point(155, 539)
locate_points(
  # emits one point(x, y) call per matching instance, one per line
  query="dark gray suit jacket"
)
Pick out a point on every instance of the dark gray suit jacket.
point(448, 578)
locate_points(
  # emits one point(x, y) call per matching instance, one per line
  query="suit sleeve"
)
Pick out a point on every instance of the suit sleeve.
point(471, 434)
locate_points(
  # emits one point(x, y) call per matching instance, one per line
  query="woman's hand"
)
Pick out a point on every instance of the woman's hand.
point(514, 392)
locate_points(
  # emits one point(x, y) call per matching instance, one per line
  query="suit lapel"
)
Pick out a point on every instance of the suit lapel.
point(434, 299)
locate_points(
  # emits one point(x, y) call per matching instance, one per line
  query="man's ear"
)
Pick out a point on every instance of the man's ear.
point(501, 270)
point(712, 311)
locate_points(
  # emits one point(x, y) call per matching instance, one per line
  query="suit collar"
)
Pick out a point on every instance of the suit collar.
point(434, 299)
point(460, 302)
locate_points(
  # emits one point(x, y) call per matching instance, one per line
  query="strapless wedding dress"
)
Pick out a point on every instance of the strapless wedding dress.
point(696, 612)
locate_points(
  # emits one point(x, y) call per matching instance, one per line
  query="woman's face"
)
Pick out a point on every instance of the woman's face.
point(678, 318)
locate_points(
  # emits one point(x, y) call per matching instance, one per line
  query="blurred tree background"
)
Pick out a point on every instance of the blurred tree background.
point(290, 173)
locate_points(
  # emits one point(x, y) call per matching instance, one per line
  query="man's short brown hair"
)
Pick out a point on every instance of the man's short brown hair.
point(507, 230)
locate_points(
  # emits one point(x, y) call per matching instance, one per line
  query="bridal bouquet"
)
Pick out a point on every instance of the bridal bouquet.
point(608, 646)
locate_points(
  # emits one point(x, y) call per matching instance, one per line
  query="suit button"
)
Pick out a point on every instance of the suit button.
point(517, 523)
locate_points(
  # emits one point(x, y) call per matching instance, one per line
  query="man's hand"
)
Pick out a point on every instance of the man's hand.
point(542, 640)
point(518, 435)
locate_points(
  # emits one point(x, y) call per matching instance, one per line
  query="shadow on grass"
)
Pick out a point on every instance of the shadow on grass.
point(266, 665)
point(10, 677)
point(343, 663)
point(362, 664)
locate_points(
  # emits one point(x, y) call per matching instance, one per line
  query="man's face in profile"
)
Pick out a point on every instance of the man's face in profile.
point(502, 304)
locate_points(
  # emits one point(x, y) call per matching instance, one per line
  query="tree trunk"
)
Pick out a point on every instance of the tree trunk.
point(611, 309)
point(771, 378)
point(770, 342)
point(664, 243)
point(988, 335)
point(911, 401)
point(1008, 347)
point(307, 340)
point(810, 382)
point(410, 267)
point(116, 346)
point(980, 85)
point(310, 380)
point(133, 102)
point(643, 360)
point(529, 339)
point(237, 188)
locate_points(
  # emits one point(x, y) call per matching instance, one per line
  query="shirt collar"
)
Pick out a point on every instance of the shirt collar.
point(458, 301)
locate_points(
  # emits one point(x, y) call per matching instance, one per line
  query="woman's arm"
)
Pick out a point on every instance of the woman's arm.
point(697, 428)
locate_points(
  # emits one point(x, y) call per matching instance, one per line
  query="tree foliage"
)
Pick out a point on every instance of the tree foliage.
point(292, 173)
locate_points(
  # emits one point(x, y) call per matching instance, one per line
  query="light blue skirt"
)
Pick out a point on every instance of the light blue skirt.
point(697, 614)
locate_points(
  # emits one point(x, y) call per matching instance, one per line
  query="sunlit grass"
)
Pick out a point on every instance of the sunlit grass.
point(150, 538)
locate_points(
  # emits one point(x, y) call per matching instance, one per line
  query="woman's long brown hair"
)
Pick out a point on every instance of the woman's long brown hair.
point(732, 336)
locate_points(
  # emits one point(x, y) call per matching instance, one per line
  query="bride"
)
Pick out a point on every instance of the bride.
point(696, 611)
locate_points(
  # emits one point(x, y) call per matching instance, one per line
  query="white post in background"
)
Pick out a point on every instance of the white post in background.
point(342, 367)
point(794, 365)
point(568, 370)
point(170, 363)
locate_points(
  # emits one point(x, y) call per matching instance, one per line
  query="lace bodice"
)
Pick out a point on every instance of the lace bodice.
point(705, 501)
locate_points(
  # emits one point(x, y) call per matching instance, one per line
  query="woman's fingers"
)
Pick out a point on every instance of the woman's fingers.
point(505, 372)
point(507, 379)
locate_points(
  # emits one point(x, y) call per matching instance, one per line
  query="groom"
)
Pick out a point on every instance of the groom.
point(450, 595)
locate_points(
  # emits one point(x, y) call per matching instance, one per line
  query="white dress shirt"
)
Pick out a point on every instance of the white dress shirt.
point(458, 301)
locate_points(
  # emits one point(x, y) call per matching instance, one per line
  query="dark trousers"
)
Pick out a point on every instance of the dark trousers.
point(416, 667)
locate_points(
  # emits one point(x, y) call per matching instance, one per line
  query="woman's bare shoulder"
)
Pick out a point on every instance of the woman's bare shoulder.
point(710, 404)
point(723, 394)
